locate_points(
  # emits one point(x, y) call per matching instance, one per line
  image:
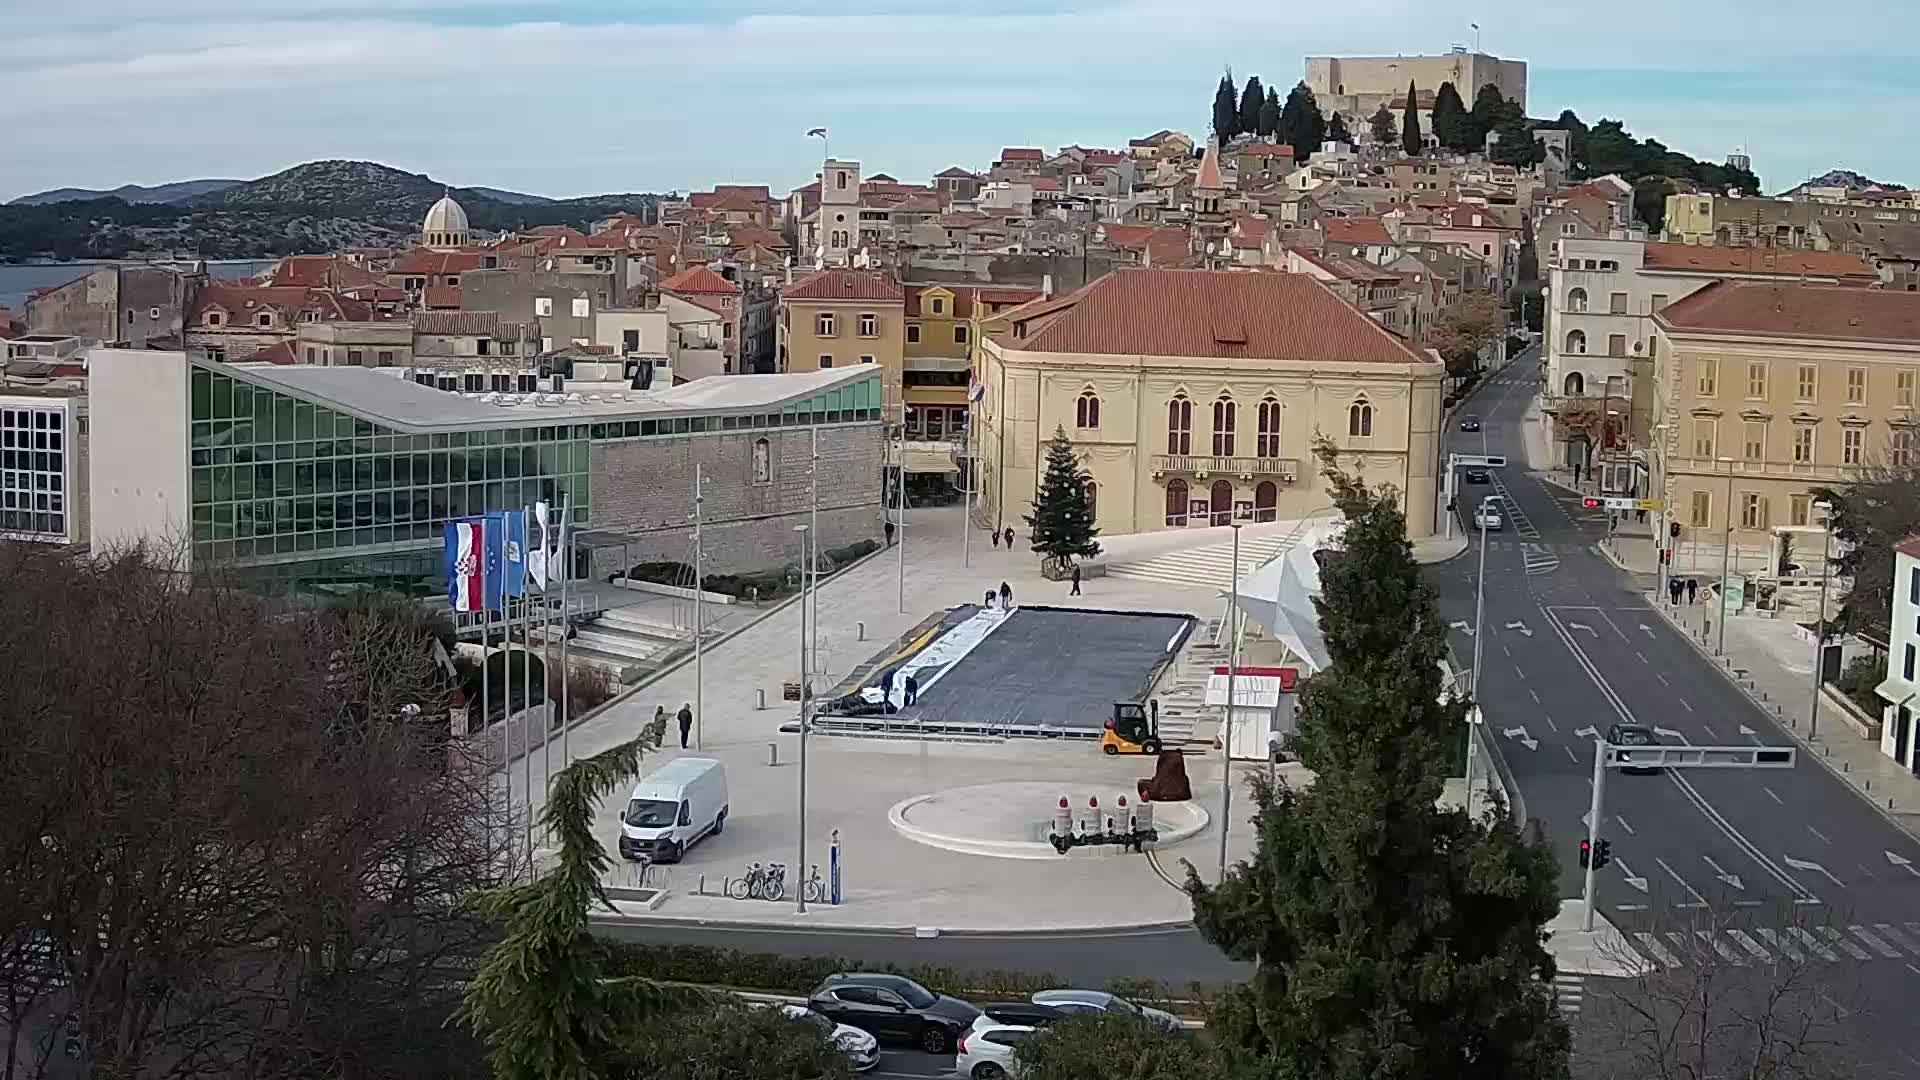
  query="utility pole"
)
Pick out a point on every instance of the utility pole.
point(699, 608)
point(1226, 728)
point(900, 512)
point(800, 869)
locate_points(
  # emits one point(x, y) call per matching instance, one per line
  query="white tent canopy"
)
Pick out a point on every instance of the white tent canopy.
point(1279, 596)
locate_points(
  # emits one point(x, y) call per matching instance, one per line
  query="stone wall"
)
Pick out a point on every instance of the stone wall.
point(643, 488)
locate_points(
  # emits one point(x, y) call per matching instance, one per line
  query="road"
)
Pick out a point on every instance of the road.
point(1722, 868)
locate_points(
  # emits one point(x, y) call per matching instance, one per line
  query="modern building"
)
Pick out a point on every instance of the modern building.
point(1355, 86)
point(844, 318)
point(1899, 735)
point(43, 464)
point(313, 480)
point(1195, 395)
point(1763, 391)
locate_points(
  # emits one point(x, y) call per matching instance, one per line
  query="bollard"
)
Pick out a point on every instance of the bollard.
point(860, 630)
point(1063, 818)
point(703, 885)
point(1126, 819)
point(1846, 767)
point(773, 753)
point(760, 698)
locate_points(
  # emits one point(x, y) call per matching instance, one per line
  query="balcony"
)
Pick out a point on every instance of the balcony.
point(1287, 470)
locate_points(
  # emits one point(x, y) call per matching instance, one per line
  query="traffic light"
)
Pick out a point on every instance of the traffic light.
point(1590, 503)
point(1673, 529)
point(1603, 855)
point(1586, 852)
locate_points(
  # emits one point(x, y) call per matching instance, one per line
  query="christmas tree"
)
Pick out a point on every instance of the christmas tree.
point(1061, 525)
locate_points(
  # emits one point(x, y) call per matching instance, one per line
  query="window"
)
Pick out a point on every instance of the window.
point(1703, 438)
point(826, 360)
point(1568, 229)
point(1756, 440)
point(1616, 344)
point(1900, 448)
point(1360, 419)
point(582, 307)
point(913, 333)
point(356, 358)
point(1577, 299)
point(1617, 303)
point(1609, 264)
point(823, 324)
point(1852, 440)
point(1179, 431)
point(1903, 388)
point(1806, 382)
point(1856, 386)
point(1913, 586)
point(1576, 341)
point(939, 305)
point(1659, 301)
point(1267, 440)
point(1753, 510)
point(840, 180)
point(1757, 381)
point(1798, 508)
point(959, 335)
point(1803, 444)
point(543, 305)
point(1086, 410)
point(1906, 664)
point(386, 358)
point(630, 341)
point(310, 354)
point(866, 359)
point(1176, 502)
point(869, 324)
point(1225, 413)
point(1700, 513)
point(1707, 378)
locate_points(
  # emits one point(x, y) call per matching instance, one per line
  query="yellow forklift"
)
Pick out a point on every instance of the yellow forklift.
point(1132, 729)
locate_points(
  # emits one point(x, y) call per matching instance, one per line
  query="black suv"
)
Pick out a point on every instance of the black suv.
point(892, 1008)
point(1632, 735)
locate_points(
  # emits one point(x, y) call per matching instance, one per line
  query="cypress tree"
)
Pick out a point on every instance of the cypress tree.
point(1489, 105)
point(1337, 129)
point(1392, 939)
point(1301, 125)
point(1410, 140)
point(1226, 114)
point(1252, 97)
point(1270, 112)
point(1382, 126)
point(1061, 526)
point(1451, 124)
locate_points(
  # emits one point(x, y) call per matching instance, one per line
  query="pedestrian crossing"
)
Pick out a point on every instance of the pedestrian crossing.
point(1740, 947)
point(1568, 993)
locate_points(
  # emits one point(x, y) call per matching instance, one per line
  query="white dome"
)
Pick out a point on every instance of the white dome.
point(445, 217)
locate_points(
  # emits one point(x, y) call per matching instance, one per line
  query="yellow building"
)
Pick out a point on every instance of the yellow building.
point(1195, 394)
point(942, 323)
point(839, 318)
point(1764, 391)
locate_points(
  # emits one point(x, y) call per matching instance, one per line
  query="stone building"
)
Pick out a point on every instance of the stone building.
point(135, 307)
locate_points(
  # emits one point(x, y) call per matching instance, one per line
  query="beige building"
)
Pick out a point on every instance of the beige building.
point(1195, 395)
point(1743, 221)
point(839, 318)
point(1763, 391)
point(1357, 85)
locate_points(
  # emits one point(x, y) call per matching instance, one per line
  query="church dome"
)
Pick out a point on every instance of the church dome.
point(446, 224)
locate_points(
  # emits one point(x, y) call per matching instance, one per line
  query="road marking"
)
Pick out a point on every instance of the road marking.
point(1726, 954)
point(1725, 878)
point(1902, 862)
point(1520, 626)
point(1652, 946)
point(1813, 944)
point(1534, 696)
point(1637, 882)
point(1517, 671)
point(1583, 626)
point(1683, 944)
point(1504, 649)
point(1711, 734)
point(1629, 907)
point(1648, 630)
point(1520, 733)
point(1662, 678)
point(1698, 900)
point(1683, 703)
point(1641, 655)
point(1802, 864)
point(1550, 723)
point(1816, 832)
point(1785, 945)
point(1463, 626)
point(1571, 756)
point(1751, 945)
point(1893, 934)
point(1669, 733)
point(1874, 943)
point(1772, 796)
point(1589, 731)
point(1835, 937)
point(1622, 822)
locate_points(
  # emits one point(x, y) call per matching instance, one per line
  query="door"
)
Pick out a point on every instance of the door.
point(859, 1006)
point(1266, 501)
point(893, 1016)
point(1221, 500)
point(1900, 722)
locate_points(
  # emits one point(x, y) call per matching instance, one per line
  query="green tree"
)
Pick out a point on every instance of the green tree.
point(1392, 939)
point(1514, 142)
point(1451, 124)
point(1301, 125)
point(1061, 526)
point(1270, 112)
point(1410, 140)
point(1226, 113)
point(1488, 106)
point(1870, 515)
point(1337, 129)
point(1088, 1047)
point(1252, 97)
point(1650, 201)
point(1383, 129)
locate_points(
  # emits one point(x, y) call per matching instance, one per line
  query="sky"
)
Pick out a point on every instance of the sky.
point(575, 97)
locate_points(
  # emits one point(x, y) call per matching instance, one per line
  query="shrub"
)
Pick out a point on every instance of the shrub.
point(761, 584)
point(587, 688)
point(1858, 679)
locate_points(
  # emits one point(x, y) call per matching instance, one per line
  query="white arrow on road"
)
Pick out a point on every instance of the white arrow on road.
point(1588, 730)
point(1745, 730)
point(1730, 879)
point(1463, 626)
point(1520, 626)
point(1637, 882)
point(1903, 863)
point(1583, 626)
point(1802, 864)
point(1669, 733)
point(1647, 628)
point(1521, 734)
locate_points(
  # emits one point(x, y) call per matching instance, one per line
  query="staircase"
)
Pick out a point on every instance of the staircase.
point(626, 645)
point(1209, 565)
point(1182, 692)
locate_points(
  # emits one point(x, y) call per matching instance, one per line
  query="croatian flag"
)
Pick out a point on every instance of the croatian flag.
point(466, 543)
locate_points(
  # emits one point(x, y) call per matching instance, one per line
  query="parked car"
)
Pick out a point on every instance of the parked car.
point(988, 1053)
point(893, 1008)
point(673, 808)
point(1621, 734)
point(1084, 1001)
point(1477, 475)
point(1469, 423)
point(1487, 515)
point(862, 1050)
point(1018, 1014)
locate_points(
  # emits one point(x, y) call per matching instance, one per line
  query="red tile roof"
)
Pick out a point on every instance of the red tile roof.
point(1209, 175)
point(1022, 153)
point(280, 352)
point(1105, 157)
point(1791, 262)
point(1817, 312)
point(320, 272)
point(1221, 314)
point(1272, 150)
point(457, 323)
point(699, 281)
point(423, 261)
point(446, 297)
point(845, 285)
point(1359, 230)
point(964, 297)
point(1046, 183)
point(1910, 547)
point(955, 173)
point(239, 300)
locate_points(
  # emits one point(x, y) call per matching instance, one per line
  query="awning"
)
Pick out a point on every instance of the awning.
point(1895, 690)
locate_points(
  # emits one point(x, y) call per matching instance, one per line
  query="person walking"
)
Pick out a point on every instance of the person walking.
point(913, 689)
point(1009, 538)
point(1693, 588)
point(988, 602)
point(1076, 580)
point(660, 719)
point(889, 529)
point(686, 723)
point(1673, 591)
point(995, 537)
point(1006, 597)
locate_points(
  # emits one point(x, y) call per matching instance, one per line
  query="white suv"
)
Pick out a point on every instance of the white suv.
point(985, 1052)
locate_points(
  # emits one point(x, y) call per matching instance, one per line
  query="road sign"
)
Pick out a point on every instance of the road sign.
point(1697, 757)
point(1497, 461)
point(1651, 506)
point(1615, 502)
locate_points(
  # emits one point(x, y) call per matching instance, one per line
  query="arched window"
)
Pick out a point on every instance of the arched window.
point(1225, 412)
point(1086, 410)
point(762, 462)
point(1267, 443)
point(1266, 501)
point(1093, 500)
point(1176, 502)
point(1360, 418)
point(1577, 299)
point(1575, 385)
point(1179, 426)
point(1576, 341)
point(1220, 502)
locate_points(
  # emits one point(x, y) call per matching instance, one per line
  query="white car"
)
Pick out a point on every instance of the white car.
point(1085, 1001)
point(985, 1052)
point(1488, 517)
point(861, 1049)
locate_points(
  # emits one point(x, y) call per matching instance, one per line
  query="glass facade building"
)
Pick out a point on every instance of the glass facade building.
point(33, 471)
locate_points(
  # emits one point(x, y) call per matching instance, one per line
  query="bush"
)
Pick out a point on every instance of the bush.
point(1858, 679)
point(1515, 344)
point(587, 688)
point(761, 584)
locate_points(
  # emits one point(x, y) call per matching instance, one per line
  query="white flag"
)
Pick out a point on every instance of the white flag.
point(557, 562)
point(537, 548)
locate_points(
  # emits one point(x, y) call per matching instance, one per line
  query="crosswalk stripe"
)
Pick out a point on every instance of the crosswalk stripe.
point(1751, 945)
point(1891, 934)
point(1726, 954)
point(1683, 945)
point(1837, 938)
point(1785, 945)
point(1875, 943)
point(1813, 944)
point(1652, 947)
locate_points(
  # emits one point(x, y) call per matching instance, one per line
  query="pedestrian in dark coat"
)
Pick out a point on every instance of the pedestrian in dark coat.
point(1076, 580)
point(1673, 591)
point(889, 534)
point(1693, 587)
point(995, 535)
point(686, 723)
point(913, 689)
point(1009, 538)
point(1006, 596)
point(988, 602)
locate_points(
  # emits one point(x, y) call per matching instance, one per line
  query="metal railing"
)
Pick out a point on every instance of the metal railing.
point(1287, 469)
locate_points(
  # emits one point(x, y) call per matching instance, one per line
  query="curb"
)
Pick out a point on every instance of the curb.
point(874, 930)
point(1793, 731)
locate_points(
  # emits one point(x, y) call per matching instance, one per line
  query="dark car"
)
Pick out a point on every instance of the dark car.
point(893, 1009)
point(1632, 735)
point(1477, 475)
point(1019, 1014)
point(1469, 423)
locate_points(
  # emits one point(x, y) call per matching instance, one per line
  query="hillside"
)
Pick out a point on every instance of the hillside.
point(131, 194)
point(1842, 178)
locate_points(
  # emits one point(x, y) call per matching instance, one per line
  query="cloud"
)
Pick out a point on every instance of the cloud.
point(575, 96)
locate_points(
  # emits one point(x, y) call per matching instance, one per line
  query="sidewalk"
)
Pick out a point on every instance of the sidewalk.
point(1775, 668)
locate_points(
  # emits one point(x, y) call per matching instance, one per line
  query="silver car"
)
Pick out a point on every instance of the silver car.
point(861, 1050)
point(1084, 1001)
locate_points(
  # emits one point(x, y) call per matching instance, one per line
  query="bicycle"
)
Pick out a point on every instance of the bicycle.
point(748, 887)
point(774, 885)
point(814, 890)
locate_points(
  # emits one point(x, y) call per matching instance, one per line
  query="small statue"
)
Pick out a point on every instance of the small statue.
point(1169, 783)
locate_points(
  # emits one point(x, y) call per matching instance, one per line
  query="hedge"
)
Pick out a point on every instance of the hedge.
point(772, 973)
point(764, 584)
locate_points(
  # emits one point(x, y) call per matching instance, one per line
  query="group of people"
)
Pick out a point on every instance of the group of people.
point(1004, 534)
point(1006, 598)
point(685, 716)
point(1677, 586)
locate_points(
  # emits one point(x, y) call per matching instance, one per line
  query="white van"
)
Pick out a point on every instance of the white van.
point(671, 809)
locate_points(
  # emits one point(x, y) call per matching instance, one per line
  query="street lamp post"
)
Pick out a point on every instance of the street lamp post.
point(1726, 556)
point(1820, 631)
point(1226, 728)
point(1479, 613)
point(806, 696)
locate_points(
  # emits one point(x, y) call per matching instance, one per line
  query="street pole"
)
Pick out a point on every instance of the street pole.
point(813, 563)
point(565, 550)
point(1593, 827)
point(699, 608)
point(800, 868)
point(1820, 633)
point(1479, 613)
point(1226, 728)
point(966, 497)
point(900, 511)
point(1726, 561)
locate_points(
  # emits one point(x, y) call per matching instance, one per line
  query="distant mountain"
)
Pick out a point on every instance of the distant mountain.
point(1845, 178)
point(514, 198)
point(131, 194)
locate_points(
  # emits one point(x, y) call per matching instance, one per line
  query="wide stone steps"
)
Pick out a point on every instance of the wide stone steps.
point(1208, 566)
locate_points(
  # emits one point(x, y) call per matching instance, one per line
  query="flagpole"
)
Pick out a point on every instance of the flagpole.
point(566, 625)
point(699, 609)
point(526, 675)
point(546, 668)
